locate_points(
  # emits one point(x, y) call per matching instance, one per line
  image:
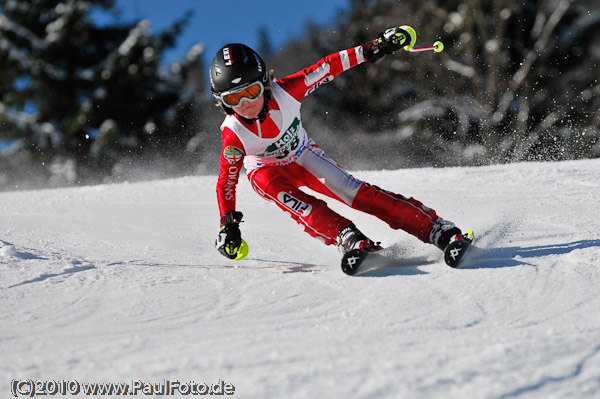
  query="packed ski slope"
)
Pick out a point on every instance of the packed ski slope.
point(121, 283)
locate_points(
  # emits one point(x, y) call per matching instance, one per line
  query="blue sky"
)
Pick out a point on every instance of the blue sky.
point(216, 23)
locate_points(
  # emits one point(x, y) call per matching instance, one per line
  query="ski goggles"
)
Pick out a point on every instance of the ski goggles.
point(234, 98)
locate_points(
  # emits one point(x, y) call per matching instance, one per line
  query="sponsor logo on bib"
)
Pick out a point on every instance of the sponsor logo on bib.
point(286, 144)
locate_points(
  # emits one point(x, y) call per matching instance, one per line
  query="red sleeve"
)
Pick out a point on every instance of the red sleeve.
point(304, 82)
point(230, 166)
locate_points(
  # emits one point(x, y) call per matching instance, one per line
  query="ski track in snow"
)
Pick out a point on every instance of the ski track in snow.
point(115, 283)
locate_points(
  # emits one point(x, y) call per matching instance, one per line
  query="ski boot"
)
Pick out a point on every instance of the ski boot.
point(352, 238)
point(355, 247)
point(449, 238)
point(442, 232)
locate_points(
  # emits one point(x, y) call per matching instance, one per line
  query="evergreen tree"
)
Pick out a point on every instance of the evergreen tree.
point(517, 81)
point(96, 96)
point(522, 78)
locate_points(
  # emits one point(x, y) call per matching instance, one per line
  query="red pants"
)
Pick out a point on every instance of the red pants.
point(319, 173)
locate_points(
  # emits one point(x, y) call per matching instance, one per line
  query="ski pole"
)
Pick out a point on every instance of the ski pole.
point(438, 47)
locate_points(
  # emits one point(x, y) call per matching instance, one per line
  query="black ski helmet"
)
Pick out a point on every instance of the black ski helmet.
point(235, 65)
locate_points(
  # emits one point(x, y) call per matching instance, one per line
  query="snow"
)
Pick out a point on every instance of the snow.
point(116, 283)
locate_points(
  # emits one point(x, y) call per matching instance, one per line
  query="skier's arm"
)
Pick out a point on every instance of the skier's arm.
point(304, 82)
point(229, 239)
point(230, 166)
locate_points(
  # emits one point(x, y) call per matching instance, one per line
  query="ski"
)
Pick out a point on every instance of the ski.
point(458, 249)
point(353, 261)
point(358, 261)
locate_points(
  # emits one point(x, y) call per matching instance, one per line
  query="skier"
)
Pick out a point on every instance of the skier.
point(263, 131)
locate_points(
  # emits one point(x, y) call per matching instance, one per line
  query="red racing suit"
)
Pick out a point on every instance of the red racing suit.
point(280, 158)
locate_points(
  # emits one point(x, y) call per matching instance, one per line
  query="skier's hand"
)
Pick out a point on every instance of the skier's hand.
point(388, 42)
point(397, 38)
point(229, 239)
